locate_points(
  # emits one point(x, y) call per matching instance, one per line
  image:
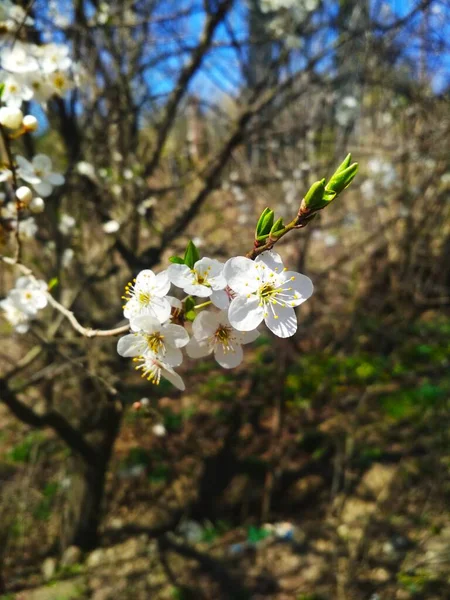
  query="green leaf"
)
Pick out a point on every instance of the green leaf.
point(53, 283)
point(2, 87)
point(345, 163)
point(342, 179)
point(191, 256)
point(277, 226)
point(265, 223)
point(177, 260)
point(314, 198)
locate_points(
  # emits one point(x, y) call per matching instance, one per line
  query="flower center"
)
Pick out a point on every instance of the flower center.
point(144, 298)
point(38, 173)
point(28, 295)
point(223, 336)
point(267, 291)
point(155, 342)
point(151, 369)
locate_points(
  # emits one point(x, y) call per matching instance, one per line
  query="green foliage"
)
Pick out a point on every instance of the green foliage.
point(314, 196)
point(177, 260)
point(189, 308)
point(277, 227)
point(27, 449)
point(43, 510)
point(264, 224)
point(256, 534)
point(192, 255)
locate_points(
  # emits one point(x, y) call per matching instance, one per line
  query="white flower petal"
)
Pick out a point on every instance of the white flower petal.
point(302, 287)
point(241, 275)
point(272, 260)
point(220, 299)
point(245, 313)
point(42, 162)
point(180, 275)
point(43, 188)
point(160, 308)
point(56, 178)
point(144, 278)
point(131, 345)
point(145, 323)
point(160, 284)
point(173, 378)
point(284, 325)
point(175, 335)
point(228, 359)
point(197, 289)
point(173, 356)
point(205, 324)
point(246, 337)
point(196, 349)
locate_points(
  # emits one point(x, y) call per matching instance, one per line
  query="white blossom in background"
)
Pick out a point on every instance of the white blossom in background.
point(54, 57)
point(111, 226)
point(153, 368)
point(28, 228)
point(159, 430)
point(12, 16)
point(213, 333)
point(149, 335)
point(67, 258)
point(14, 315)
point(19, 59)
point(203, 280)
point(29, 295)
point(383, 172)
point(265, 291)
point(16, 90)
point(347, 110)
point(368, 189)
point(66, 224)
point(11, 117)
point(39, 174)
point(146, 295)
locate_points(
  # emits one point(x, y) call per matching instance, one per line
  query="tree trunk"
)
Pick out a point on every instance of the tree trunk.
point(84, 511)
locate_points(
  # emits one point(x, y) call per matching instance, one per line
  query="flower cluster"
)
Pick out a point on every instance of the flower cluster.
point(31, 72)
point(23, 302)
point(244, 293)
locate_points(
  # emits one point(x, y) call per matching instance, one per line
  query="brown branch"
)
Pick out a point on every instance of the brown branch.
point(186, 75)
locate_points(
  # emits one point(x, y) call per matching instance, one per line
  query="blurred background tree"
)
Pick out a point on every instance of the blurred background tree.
point(190, 118)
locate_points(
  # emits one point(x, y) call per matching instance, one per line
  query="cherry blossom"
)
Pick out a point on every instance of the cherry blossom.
point(265, 291)
point(202, 280)
point(146, 296)
point(14, 315)
point(153, 368)
point(29, 295)
point(39, 174)
point(163, 341)
point(213, 332)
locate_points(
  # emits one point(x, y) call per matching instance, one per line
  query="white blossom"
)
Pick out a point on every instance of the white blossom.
point(15, 316)
point(146, 295)
point(11, 117)
point(159, 430)
point(111, 226)
point(213, 332)
point(149, 335)
point(67, 257)
point(203, 280)
point(16, 90)
point(153, 368)
point(39, 174)
point(29, 295)
point(265, 291)
point(66, 224)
